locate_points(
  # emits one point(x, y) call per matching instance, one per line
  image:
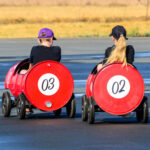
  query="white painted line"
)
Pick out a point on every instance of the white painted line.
point(147, 92)
point(146, 81)
point(137, 55)
point(80, 81)
point(79, 95)
point(76, 82)
point(142, 54)
point(2, 85)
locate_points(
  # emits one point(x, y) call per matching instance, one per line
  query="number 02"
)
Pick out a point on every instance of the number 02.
point(118, 87)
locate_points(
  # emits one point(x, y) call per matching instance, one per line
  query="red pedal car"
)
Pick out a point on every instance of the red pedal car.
point(117, 90)
point(48, 86)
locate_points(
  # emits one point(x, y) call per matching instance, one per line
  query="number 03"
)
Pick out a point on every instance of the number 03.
point(48, 84)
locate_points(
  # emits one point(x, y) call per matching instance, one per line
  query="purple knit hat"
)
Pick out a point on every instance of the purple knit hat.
point(46, 33)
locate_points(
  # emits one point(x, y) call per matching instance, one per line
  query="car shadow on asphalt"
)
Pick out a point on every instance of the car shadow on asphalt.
point(50, 115)
point(120, 121)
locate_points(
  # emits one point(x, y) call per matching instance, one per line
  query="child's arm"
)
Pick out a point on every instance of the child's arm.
point(99, 66)
point(107, 54)
point(30, 66)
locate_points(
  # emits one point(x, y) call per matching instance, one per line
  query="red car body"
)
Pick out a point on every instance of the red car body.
point(98, 87)
point(49, 74)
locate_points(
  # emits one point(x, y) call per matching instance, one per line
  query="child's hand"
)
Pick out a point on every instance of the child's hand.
point(99, 66)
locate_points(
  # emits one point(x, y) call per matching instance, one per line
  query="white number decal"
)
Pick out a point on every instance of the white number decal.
point(48, 84)
point(118, 86)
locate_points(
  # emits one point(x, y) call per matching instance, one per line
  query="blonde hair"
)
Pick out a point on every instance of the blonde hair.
point(119, 53)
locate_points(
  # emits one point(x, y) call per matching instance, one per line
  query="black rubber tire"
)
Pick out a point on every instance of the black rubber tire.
point(91, 111)
point(142, 112)
point(57, 112)
point(6, 104)
point(84, 108)
point(71, 107)
point(138, 116)
point(21, 106)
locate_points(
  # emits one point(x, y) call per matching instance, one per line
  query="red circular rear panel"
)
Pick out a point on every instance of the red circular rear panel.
point(49, 85)
point(118, 90)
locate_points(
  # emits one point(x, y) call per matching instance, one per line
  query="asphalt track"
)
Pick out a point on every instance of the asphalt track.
point(44, 131)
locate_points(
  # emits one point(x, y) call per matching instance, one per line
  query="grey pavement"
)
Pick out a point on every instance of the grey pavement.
point(22, 47)
point(43, 131)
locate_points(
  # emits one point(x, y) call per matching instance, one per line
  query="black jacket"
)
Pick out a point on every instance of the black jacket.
point(41, 53)
point(129, 54)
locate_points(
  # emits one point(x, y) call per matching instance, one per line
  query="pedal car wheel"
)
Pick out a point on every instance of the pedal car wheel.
point(57, 112)
point(142, 112)
point(84, 108)
point(21, 107)
point(71, 107)
point(6, 104)
point(91, 111)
